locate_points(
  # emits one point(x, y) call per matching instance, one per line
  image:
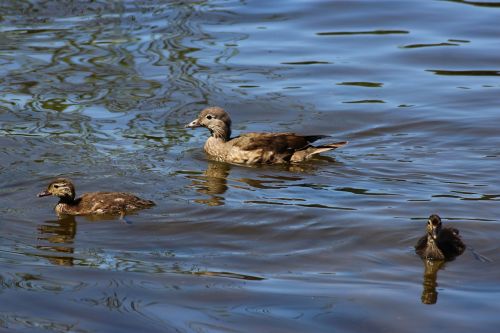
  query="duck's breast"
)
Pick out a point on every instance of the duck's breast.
point(217, 148)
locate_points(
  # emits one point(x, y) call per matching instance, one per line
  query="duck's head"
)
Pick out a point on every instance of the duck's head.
point(433, 226)
point(216, 120)
point(61, 187)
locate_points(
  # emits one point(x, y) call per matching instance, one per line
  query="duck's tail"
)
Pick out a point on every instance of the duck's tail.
point(330, 146)
point(309, 152)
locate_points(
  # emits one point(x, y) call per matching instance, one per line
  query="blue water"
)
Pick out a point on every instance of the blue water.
point(100, 92)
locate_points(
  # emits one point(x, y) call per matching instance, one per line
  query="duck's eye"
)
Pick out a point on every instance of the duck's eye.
point(56, 186)
point(209, 117)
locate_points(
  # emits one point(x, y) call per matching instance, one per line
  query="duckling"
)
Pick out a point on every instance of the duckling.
point(254, 148)
point(439, 243)
point(94, 203)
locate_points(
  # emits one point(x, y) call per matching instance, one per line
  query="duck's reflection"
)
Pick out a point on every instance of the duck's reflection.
point(57, 237)
point(213, 182)
point(431, 268)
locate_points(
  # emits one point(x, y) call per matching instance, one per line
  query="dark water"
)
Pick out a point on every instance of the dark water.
point(99, 91)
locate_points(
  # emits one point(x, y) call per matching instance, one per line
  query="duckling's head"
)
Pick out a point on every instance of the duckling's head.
point(433, 226)
point(216, 120)
point(61, 187)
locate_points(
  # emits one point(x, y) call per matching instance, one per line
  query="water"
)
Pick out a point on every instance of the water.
point(99, 91)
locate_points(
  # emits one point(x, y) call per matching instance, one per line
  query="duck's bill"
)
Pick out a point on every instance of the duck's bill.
point(44, 194)
point(434, 233)
point(195, 123)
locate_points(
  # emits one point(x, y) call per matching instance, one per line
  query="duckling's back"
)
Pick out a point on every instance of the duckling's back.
point(100, 203)
point(450, 243)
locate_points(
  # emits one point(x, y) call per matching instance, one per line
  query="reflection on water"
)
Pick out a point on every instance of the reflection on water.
point(78, 74)
point(431, 268)
point(230, 275)
point(373, 32)
point(99, 90)
point(465, 72)
point(213, 182)
point(216, 179)
point(56, 239)
point(17, 321)
point(478, 3)
point(413, 46)
point(68, 68)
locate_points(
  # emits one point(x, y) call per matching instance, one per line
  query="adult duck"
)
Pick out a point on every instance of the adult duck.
point(255, 148)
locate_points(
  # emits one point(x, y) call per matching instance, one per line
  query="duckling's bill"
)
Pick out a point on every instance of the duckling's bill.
point(44, 194)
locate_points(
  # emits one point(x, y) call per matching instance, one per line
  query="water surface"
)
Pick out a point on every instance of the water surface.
point(100, 91)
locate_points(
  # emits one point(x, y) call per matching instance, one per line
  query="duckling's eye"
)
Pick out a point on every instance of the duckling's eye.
point(56, 186)
point(209, 117)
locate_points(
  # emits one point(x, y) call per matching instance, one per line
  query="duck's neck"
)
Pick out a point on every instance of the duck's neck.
point(216, 147)
point(221, 132)
point(67, 200)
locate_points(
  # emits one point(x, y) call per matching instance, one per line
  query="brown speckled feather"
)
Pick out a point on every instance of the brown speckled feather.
point(93, 203)
point(446, 246)
point(112, 203)
point(279, 142)
point(274, 147)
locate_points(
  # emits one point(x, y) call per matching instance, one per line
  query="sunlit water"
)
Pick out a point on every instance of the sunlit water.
point(99, 91)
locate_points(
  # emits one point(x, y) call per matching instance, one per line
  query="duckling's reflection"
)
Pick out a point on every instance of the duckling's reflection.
point(213, 183)
point(429, 294)
point(58, 237)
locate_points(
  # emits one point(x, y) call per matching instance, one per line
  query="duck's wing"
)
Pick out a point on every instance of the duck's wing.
point(451, 243)
point(276, 142)
point(111, 202)
point(421, 245)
